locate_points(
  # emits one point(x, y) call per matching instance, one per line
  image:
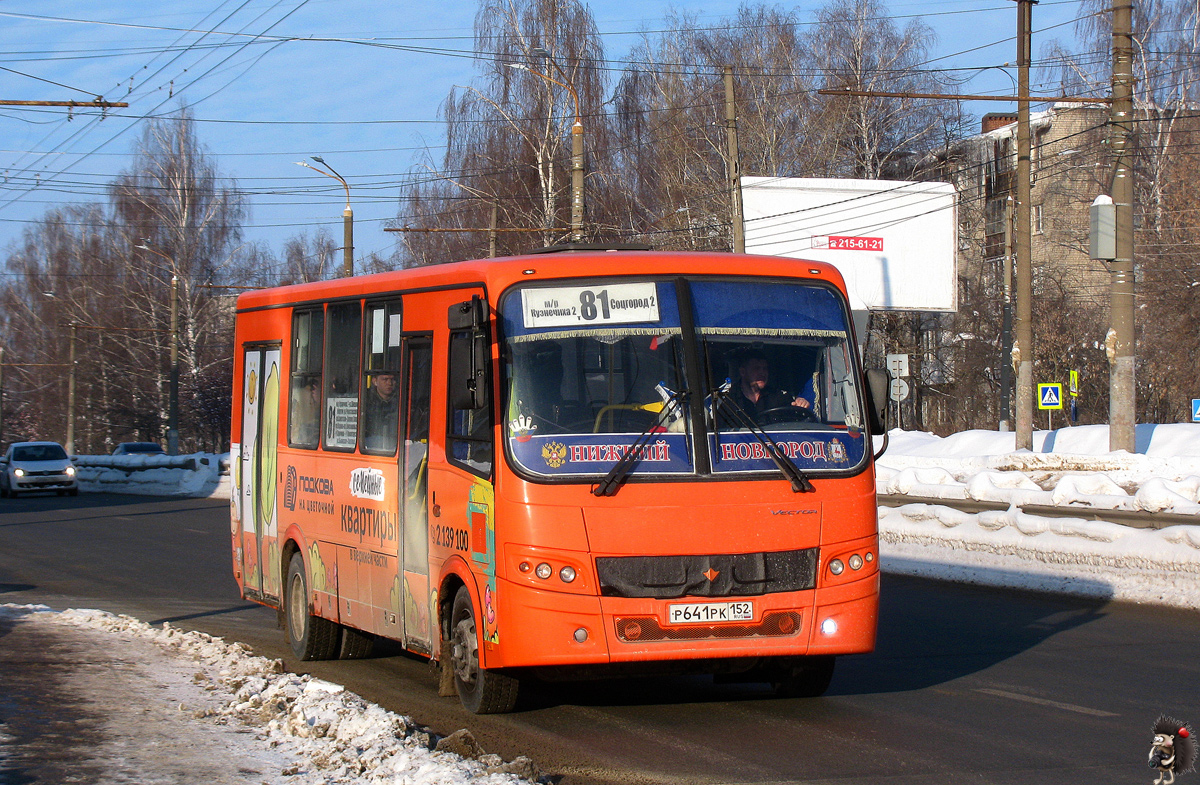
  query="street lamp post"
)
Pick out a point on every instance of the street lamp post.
point(347, 214)
point(577, 171)
point(173, 397)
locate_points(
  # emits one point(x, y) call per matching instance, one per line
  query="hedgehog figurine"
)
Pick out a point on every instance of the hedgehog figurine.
point(1173, 750)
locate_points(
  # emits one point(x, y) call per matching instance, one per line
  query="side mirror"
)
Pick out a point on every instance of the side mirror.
point(467, 315)
point(877, 398)
point(469, 354)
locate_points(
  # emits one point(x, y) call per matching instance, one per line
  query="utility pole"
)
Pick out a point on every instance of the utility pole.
point(173, 411)
point(1023, 351)
point(1122, 404)
point(71, 394)
point(492, 231)
point(1006, 337)
point(737, 218)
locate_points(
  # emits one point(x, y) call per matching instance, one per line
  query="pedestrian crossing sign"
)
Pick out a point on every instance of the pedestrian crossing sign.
point(1196, 410)
point(1050, 396)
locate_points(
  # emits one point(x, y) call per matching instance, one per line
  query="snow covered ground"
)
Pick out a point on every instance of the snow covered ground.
point(201, 474)
point(179, 706)
point(1069, 467)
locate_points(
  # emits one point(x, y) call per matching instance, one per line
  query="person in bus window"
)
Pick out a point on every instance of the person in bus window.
point(753, 395)
point(381, 413)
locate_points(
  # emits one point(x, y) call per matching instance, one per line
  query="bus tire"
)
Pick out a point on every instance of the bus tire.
point(806, 677)
point(311, 637)
point(481, 691)
point(356, 644)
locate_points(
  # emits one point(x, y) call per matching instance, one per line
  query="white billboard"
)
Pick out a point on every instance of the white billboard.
point(893, 241)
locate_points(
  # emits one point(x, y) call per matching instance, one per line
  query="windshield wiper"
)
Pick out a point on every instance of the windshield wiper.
point(800, 483)
point(620, 470)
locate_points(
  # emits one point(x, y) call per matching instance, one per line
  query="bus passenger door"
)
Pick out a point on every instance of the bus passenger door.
point(413, 539)
point(260, 437)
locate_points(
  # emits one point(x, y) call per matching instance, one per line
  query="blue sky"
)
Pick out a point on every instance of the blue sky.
point(368, 107)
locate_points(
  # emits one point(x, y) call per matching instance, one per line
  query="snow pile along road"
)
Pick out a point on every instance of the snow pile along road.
point(197, 475)
point(1013, 548)
point(314, 732)
point(1066, 467)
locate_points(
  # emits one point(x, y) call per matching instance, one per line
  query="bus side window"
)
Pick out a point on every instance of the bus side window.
point(342, 344)
point(381, 385)
point(304, 412)
point(469, 442)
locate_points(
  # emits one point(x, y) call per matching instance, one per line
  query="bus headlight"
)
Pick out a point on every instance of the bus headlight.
point(544, 571)
point(836, 567)
point(856, 562)
point(567, 574)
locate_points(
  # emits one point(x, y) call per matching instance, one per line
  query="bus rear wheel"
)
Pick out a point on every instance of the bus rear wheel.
point(311, 637)
point(803, 677)
point(481, 691)
point(355, 644)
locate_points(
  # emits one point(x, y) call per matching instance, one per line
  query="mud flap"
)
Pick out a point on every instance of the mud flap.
point(446, 688)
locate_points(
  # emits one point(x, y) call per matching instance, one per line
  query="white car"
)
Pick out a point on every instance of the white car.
point(37, 466)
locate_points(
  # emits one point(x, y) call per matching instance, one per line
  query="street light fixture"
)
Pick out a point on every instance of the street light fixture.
point(576, 140)
point(173, 410)
point(347, 214)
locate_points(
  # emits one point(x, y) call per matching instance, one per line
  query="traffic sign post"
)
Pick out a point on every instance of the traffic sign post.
point(1074, 388)
point(897, 365)
point(1050, 397)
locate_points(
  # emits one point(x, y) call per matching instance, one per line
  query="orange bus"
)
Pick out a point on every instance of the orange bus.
point(562, 464)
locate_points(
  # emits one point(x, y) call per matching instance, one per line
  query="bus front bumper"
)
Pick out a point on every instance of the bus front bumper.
point(551, 628)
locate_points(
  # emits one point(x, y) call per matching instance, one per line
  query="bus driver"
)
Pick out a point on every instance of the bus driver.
point(751, 394)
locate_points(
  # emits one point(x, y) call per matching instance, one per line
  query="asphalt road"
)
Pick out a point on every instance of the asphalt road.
point(968, 684)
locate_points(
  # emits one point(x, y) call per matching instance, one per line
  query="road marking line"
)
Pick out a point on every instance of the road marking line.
point(1043, 702)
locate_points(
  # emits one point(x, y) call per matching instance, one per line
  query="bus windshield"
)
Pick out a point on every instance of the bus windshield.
point(592, 370)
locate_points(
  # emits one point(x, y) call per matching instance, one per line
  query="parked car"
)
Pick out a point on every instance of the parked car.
point(37, 466)
point(138, 448)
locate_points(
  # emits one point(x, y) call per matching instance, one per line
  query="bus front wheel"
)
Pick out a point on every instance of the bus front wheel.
point(311, 637)
point(481, 691)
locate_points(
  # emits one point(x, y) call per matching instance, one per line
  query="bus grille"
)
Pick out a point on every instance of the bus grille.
point(722, 575)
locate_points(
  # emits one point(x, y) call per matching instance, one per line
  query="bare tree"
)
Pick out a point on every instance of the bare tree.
point(671, 166)
point(856, 45)
point(507, 135)
point(105, 275)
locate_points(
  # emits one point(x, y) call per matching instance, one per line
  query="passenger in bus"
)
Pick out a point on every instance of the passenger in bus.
point(752, 395)
point(306, 410)
point(381, 413)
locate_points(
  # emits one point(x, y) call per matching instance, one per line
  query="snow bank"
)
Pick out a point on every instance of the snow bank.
point(1068, 467)
point(332, 736)
point(200, 474)
point(1069, 555)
